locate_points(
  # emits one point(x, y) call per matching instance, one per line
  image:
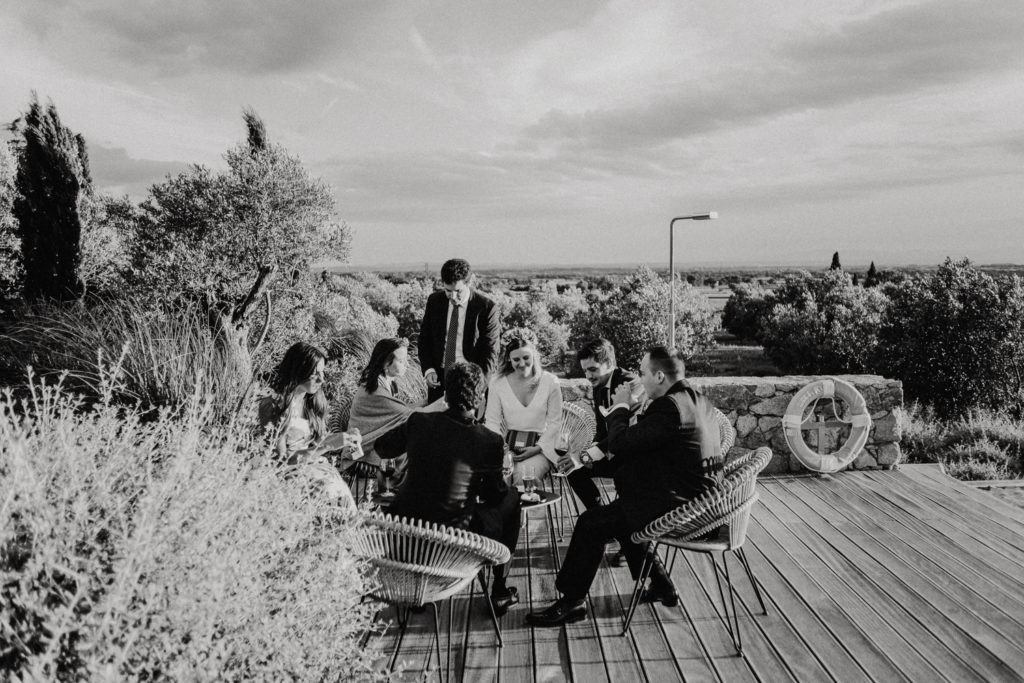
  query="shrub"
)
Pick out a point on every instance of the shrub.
point(955, 338)
point(165, 550)
point(823, 324)
point(635, 317)
point(747, 310)
point(982, 444)
point(10, 244)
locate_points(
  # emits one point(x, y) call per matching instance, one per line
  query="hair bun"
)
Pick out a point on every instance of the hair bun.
point(519, 334)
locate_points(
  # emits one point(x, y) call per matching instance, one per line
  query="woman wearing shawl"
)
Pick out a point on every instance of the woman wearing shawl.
point(376, 407)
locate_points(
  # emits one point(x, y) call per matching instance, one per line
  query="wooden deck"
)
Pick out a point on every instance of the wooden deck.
point(868, 576)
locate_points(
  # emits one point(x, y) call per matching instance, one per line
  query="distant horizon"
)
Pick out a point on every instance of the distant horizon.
point(630, 265)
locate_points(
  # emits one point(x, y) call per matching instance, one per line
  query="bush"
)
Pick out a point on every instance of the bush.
point(165, 356)
point(823, 325)
point(165, 550)
point(980, 445)
point(747, 311)
point(635, 317)
point(955, 338)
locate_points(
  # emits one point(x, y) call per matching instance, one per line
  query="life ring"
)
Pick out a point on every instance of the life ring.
point(860, 421)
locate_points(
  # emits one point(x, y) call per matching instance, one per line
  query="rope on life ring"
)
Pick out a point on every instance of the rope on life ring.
point(860, 422)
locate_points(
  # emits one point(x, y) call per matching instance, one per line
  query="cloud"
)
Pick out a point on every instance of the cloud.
point(241, 36)
point(893, 52)
point(115, 172)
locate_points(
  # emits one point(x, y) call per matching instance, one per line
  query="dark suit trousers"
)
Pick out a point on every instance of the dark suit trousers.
point(499, 522)
point(586, 549)
point(582, 481)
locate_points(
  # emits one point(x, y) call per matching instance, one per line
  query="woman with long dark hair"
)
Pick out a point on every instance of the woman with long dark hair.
point(377, 407)
point(299, 409)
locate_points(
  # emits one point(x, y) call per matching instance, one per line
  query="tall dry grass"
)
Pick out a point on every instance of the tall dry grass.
point(165, 550)
point(165, 353)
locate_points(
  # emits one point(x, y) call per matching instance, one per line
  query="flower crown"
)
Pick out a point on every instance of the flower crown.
point(518, 334)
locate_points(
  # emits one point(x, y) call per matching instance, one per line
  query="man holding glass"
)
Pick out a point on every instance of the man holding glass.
point(670, 456)
point(454, 471)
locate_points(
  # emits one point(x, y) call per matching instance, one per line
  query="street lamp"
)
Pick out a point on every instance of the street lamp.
point(709, 216)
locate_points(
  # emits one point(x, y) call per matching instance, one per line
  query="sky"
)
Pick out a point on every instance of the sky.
point(570, 132)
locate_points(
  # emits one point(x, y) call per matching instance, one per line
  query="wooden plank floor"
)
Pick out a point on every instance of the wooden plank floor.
point(882, 576)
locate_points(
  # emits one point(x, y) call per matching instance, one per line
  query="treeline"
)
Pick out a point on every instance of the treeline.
point(954, 336)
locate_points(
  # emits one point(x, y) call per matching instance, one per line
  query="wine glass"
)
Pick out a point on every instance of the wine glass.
point(387, 466)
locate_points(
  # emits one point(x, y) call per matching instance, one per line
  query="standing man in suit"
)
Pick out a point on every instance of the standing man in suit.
point(454, 474)
point(670, 456)
point(459, 324)
point(597, 359)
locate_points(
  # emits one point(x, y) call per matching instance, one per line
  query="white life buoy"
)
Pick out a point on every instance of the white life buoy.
point(860, 422)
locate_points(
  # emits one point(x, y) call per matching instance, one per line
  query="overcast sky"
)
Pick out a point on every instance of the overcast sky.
point(569, 131)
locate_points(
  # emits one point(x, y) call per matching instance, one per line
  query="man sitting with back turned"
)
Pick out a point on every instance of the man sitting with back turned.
point(671, 455)
point(453, 463)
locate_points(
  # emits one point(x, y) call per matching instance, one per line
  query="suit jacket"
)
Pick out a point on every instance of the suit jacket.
point(451, 461)
point(480, 336)
point(602, 397)
point(665, 461)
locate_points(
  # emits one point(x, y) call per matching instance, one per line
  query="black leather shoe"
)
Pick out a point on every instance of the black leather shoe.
point(561, 611)
point(664, 593)
point(503, 599)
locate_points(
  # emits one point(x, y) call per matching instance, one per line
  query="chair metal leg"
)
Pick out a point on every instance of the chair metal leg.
point(645, 570)
point(490, 608)
point(753, 582)
point(448, 650)
point(737, 638)
point(437, 641)
point(724, 614)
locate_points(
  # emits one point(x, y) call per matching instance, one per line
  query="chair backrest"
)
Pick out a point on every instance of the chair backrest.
point(727, 505)
point(418, 562)
point(579, 425)
point(726, 432)
point(743, 477)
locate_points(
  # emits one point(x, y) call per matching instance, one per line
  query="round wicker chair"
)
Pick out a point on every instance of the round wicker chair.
point(421, 563)
point(579, 426)
point(715, 522)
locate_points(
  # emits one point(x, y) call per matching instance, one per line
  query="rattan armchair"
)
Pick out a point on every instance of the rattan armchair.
point(715, 522)
point(578, 428)
point(419, 564)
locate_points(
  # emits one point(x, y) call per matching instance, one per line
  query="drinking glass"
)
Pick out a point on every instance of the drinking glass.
point(388, 468)
point(529, 480)
point(507, 465)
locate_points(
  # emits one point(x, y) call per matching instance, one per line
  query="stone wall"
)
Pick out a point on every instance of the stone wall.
point(755, 406)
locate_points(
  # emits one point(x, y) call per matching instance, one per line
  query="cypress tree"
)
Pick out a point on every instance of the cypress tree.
point(872, 278)
point(835, 262)
point(53, 169)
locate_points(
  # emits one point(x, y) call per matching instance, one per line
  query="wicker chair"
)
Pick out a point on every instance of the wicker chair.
point(358, 476)
point(726, 432)
point(715, 522)
point(578, 427)
point(421, 563)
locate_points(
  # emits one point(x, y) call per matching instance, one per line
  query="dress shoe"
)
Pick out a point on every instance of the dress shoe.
point(561, 611)
point(502, 599)
point(664, 593)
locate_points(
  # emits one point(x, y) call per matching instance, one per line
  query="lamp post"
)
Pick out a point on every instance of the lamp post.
point(709, 216)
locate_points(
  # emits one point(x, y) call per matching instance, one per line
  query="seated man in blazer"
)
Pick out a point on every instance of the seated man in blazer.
point(453, 473)
point(670, 456)
point(459, 324)
point(597, 360)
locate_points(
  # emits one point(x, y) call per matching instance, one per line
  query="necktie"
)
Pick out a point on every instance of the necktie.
point(452, 339)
